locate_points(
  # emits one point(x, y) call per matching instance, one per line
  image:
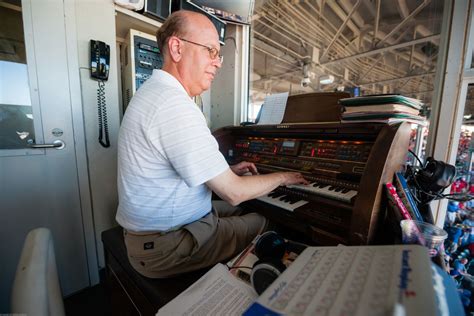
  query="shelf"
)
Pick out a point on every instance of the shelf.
point(126, 19)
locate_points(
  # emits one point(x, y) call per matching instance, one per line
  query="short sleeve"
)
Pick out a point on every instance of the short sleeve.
point(183, 138)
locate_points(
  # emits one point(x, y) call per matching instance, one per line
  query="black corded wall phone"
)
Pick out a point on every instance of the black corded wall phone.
point(100, 63)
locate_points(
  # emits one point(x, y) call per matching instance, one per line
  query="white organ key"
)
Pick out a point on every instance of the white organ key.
point(332, 194)
point(284, 205)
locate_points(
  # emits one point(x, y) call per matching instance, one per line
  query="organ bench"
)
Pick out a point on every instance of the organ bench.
point(130, 293)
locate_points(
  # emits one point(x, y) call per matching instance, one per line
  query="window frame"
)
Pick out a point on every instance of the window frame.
point(451, 85)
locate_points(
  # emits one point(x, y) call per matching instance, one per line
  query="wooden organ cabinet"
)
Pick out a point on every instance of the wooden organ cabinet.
point(347, 165)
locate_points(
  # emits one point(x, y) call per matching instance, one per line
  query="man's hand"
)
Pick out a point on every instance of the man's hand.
point(293, 178)
point(235, 189)
point(244, 167)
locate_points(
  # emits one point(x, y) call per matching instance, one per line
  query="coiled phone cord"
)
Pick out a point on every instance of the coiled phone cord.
point(102, 113)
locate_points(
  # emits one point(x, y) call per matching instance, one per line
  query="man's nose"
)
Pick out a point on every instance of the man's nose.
point(217, 62)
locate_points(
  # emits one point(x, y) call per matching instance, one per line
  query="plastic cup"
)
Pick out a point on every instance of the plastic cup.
point(425, 234)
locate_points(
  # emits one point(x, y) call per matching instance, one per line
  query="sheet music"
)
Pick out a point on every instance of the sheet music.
point(217, 292)
point(273, 109)
point(357, 280)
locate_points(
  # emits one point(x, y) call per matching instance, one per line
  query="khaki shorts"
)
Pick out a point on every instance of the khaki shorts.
point(216, 237)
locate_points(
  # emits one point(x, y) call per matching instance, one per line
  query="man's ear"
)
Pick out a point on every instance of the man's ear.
point(174, 48)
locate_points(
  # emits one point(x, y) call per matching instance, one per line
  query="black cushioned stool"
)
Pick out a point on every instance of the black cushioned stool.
point(131, 293)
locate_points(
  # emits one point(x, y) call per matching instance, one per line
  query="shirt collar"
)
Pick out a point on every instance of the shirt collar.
point(168, 79)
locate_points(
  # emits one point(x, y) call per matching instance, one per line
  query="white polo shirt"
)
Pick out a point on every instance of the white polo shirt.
point(166, 153)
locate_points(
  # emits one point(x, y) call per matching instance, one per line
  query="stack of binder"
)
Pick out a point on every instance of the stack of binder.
point(387, 108)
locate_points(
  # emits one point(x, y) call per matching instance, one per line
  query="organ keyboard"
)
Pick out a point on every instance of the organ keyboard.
point(334, 192)
point(346, 164)
point(285, 201)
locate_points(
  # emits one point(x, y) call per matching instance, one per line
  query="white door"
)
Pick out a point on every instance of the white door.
point(38, 187)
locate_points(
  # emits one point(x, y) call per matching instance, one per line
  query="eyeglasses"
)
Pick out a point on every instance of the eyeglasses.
point(213, 52)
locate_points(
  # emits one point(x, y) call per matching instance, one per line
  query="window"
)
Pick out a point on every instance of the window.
point(361, 47)
point(16, 117)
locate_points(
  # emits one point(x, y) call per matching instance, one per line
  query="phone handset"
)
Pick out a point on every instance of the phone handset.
point(100, 63)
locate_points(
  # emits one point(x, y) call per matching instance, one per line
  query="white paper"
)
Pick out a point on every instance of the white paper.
point(273, 109)
point(362, 280)
point(217, 292)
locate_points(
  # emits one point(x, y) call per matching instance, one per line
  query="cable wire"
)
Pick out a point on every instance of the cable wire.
point(102, 114)
point(415, 155)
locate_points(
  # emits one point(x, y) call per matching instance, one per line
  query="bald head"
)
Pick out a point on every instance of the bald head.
point(180, 24)
point(190, 47)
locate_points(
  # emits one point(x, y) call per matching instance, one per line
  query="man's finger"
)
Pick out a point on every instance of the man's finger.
point(253, 169)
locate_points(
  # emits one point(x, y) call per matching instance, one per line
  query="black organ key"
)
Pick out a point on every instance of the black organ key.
point(289, 199)
point(294, 200)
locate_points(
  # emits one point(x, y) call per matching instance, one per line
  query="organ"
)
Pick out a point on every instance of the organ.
point(347, 165)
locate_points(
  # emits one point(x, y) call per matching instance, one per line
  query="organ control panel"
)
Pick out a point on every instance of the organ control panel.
point(314, 156)
point(346, 165)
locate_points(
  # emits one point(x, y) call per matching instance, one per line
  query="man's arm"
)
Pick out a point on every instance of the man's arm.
point(244, 168)
point(237, 189)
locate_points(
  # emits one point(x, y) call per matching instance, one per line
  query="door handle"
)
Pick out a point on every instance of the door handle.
point(58, 144)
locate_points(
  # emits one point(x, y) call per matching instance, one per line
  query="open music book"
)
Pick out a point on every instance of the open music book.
point(355, 280)
point(218, 292)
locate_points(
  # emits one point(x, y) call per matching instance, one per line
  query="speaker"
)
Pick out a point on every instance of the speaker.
point(270, 249)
